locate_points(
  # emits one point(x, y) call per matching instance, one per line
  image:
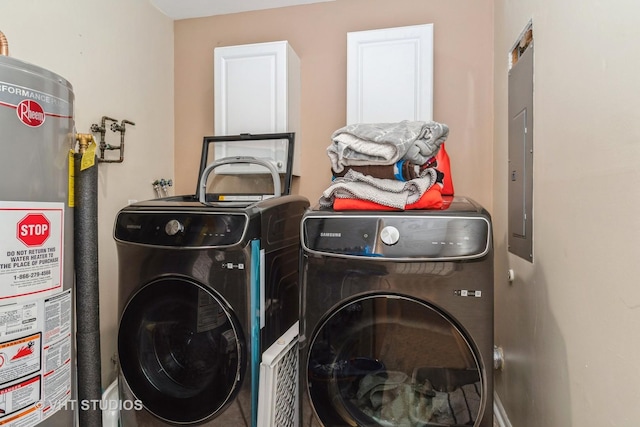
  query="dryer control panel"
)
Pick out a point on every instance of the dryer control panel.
point(180, 229)
point(395, 236)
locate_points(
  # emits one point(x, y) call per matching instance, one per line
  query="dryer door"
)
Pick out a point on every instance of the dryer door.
point(181, 350)
point(390, 360)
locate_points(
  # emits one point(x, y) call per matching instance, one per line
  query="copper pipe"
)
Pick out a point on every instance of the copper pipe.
point(4, 45)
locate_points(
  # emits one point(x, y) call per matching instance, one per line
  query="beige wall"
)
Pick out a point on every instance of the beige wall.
point(119, 59)
point(569, 322)
point(463, 38)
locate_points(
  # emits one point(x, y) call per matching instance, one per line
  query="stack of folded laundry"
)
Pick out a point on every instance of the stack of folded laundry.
point(388, 166)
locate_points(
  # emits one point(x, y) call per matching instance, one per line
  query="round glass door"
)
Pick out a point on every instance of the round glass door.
point(388, 360)
point(180, 350)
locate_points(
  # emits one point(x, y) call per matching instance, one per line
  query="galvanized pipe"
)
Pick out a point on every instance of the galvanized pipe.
point(116, 128)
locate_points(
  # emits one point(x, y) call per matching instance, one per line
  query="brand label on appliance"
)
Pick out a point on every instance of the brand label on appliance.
point(32, 106)
point(327, 234)
point(31, 249)
point(30, 113)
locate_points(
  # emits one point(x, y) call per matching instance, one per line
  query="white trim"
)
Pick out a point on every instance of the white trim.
point(500, 418)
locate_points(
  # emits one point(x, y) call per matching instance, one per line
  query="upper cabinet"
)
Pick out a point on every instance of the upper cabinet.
point(390, 75)
point(257, 90)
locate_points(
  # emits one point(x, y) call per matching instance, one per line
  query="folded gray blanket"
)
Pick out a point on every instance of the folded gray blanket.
point(385, 143)
point(387, 192)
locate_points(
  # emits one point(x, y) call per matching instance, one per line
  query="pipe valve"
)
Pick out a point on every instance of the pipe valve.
point(83, 140)
point(161, 187)
point(104, 146)
point(121, 127)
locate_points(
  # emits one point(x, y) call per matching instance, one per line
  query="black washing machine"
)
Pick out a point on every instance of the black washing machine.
point(206, 284)
point(397, 317)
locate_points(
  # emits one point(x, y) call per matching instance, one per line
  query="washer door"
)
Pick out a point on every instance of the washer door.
point(181, 350)
point(389, 360)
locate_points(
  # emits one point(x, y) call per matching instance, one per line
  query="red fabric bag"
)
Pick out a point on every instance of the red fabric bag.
point(444, 165)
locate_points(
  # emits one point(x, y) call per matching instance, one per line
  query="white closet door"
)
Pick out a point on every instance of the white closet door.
point(390, 75)
point(257, 90)
point(249, 82)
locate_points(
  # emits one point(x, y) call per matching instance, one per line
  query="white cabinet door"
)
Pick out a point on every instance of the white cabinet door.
point(390, 75)
point(257, 90)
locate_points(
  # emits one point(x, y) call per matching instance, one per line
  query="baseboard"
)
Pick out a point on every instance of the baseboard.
point(499, 415)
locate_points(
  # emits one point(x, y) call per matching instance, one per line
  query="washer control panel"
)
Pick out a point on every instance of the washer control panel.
point(180, 229)
point(397, 236)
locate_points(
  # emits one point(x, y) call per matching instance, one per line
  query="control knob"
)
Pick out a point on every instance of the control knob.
point(390, 235)
point(173, 227)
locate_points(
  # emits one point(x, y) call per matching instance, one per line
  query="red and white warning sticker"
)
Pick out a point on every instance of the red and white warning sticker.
point(20, 357)
point(35, 359)
point(31, 248)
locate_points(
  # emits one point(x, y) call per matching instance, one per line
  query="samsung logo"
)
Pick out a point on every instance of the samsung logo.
point(330, 234)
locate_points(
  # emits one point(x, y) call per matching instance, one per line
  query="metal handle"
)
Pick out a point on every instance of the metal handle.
point(202, 193)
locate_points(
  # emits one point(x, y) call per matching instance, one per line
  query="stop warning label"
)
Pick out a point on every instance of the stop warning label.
point(33, 229)
point(31, 248)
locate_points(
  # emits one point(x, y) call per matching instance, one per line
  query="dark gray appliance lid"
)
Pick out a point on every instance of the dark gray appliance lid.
point(256, 186)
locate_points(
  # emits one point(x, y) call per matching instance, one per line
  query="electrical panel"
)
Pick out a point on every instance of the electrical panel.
point(520, 187)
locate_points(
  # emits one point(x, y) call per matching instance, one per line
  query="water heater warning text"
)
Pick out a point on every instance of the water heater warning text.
point(31, 250)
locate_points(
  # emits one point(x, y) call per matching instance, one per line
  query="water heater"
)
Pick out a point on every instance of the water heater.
point(37, 356)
